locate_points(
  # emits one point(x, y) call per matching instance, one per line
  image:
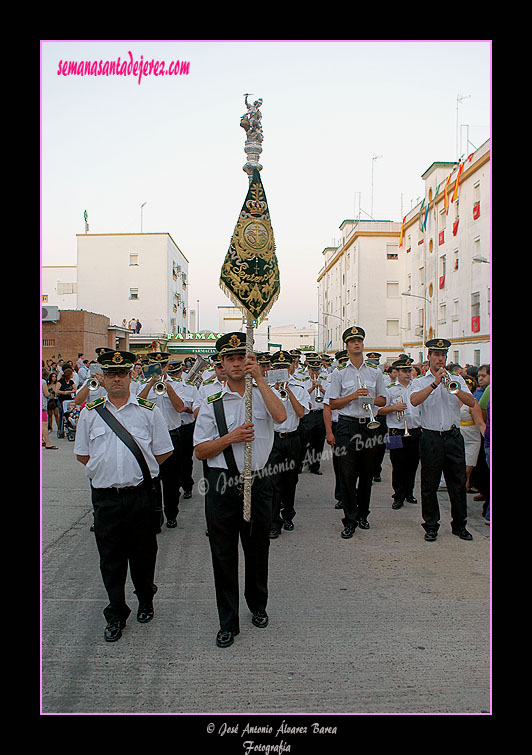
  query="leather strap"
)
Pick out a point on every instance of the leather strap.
point(127, 439)
point(219, 415)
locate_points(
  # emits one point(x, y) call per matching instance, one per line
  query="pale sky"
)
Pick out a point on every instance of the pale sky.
point(108, 144)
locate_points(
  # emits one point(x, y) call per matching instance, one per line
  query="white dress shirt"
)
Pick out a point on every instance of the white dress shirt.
point(207, 388)
point(234, 406)
point(172, 416)
point(187, 392)
point(344, 381)
point(111, 463)
point(394, 393)
point(441, 409)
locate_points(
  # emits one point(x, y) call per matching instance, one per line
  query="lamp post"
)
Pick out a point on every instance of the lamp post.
point(197, 318)
point(375, 157)
point(315, 322)
point(142, 205)
point(479, 258)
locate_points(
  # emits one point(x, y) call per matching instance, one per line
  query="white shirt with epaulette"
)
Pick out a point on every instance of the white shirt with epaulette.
point(235, 409)
point(207, 388)
point(187, 392)
point(344, 381)
point(396, 392)
point(322, 380)
point(174, 419)
point(111, 464)
point(441, 409)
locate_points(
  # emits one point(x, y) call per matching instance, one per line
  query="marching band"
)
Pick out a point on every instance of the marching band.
point(299, 410)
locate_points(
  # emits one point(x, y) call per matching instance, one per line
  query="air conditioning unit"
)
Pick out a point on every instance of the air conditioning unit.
point(50, 314)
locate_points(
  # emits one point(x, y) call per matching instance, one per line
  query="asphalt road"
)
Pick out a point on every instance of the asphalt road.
point(383, 623)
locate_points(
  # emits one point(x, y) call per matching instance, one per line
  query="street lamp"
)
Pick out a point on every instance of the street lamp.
point(479, 258)
point(142, 205)
point(375, 157)
point(407, 293)
point(315, 322)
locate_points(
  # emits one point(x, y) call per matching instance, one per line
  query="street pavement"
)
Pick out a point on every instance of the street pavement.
point(383, 623)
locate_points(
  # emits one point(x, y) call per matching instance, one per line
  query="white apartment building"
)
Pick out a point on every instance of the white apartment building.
point(427, 277)
point(447, 267)
point(134, 275)
point(360, 284)
point(59, 286)
point(281, 337)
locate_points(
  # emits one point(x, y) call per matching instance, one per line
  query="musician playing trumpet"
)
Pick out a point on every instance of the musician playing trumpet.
point(354, 389)
point(404, 433)
point(284, 456)
point(441, 449)
point(171, 405)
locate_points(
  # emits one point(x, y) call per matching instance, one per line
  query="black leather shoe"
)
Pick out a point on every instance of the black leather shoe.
point(315, 471)
point(275, 532)
point(377, 478)
point(463, 534)
point(171, 523)
point(260, 619)
point(430, 537)
point(145, 612)
point(288, 525)
point(397, 504)
point(363, 524)
point(113, 630)
point(411, 499)
point(348, 532)
point(187, 494)
point(225, 637)
point(338, 505)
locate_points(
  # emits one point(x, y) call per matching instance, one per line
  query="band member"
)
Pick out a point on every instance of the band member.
point(401, 417)
point(187, 391)
point(223, 449)
point(312, 426)
point(123, 515)
point(284, 456)
point(330, 420)
point(355, 387)
point(441, 449)
point(171, 406)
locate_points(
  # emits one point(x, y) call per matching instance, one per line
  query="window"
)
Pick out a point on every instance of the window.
point(48, 341)
point(66, 288)
point(456, 261)
point(133, 293)
point(443, 218)
point(455, 315)
point(475, 304)
point(409, 320)
point(133, 259)
point(456, 357)
point(392, 290)
point(476, 357)
point(443, 313)
point(392, 327)
point(421, 276)
point(443, 264)
point(392, 251)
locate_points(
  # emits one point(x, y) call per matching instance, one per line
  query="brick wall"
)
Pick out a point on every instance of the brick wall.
point(76, 331)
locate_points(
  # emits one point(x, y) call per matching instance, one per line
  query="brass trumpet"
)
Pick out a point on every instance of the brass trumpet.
point(283, 393)
point(453, 386)
point(402, 415)
point(159, 388)
point(93, 384)
point(373, 424)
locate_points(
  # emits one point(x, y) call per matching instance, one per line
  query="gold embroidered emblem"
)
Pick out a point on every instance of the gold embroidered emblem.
point(234, 341)
point(281, 357)
point(440, 343)
point(117, 357)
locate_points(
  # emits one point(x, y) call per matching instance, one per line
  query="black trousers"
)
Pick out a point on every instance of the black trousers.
point(226, 525)
point(336, 468)
point(356, 447)
point(312, 435)
point(187, 432)
point(405, 462)
point(381, 444)
point(284, 463)
point(169, 479)
point(443, 453)
point(125, 536)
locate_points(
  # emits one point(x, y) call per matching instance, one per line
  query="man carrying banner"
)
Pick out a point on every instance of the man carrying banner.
point(219, 438)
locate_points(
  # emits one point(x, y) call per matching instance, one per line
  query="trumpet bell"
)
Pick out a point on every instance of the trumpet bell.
point(159, 388)
point(453, 386)
point(318, 399)
point(283, 395)
point(93, 384)
point(373, 425)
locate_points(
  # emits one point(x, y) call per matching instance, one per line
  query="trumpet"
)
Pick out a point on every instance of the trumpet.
point(93, 384)
point(453, 386)
point(283, 393)
point(159, 388)
point(194, 375)
point(373, 424)
point(318, 397)
point(402, 415)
